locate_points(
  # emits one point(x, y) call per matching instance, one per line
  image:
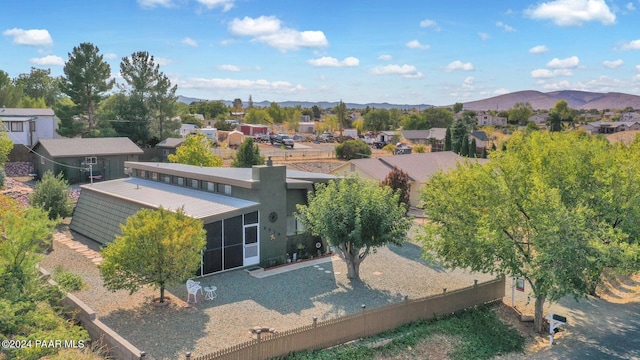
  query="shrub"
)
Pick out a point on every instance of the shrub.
point(52, 195)
point(3, 176)
point(420, 149)
point(68, 280)
point(352, 149)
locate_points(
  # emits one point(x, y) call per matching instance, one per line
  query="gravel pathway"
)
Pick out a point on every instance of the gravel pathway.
point(283, 301)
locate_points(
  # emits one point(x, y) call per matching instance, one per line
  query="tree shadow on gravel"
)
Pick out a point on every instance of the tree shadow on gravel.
point(413, 252)
point(162, 332)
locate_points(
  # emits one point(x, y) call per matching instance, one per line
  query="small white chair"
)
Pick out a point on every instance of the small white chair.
point(192, 289)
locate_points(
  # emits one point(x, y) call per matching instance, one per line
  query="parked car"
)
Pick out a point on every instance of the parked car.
point(326, 137)
point(260, 138)
point(282, 139)
point(379, 144)
point(298, 137)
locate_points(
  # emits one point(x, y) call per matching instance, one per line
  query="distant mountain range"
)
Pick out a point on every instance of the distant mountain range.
point(538, 100)
point(575, 99)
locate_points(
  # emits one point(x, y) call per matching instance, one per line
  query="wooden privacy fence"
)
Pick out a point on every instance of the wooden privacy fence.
point(368, 322)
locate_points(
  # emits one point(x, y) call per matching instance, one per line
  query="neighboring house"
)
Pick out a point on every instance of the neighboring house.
point(167, 147)
point(539, 118)
point(187, 129)
point(610, 127)
point(481, 140)
point(247, 212)
point(630, 116)
point(28, 126)
point(491, 120)
point(416, 136)
point(419, 167)
point(79, 158)
point(390, 137)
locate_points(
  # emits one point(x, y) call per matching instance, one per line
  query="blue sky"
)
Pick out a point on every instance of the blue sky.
point(403, 51)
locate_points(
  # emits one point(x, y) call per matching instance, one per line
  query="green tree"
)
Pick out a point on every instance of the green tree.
point(86, 79)
point(67, 112)
point(355, 216)
point(415, 122)
point(292, 116)
point(542, 211)
point(484, 154)
point(39, 84)
point(377, 120)
point(464, 148)
point(459, 134)
point(276, 113)
point(317, 112)
point(341, 113)
point(248, 154)
point(209, 109)
point(196, 150)
point(520, 113)
point(352, 149)
point(473, 151)
point(438, 117)
point(32, 103)
point(157, 247)
point(6, 145)
point(258, 116)
point(9, 93)
point(559, 115)
point(399, 181)
point(237, 105)
point(457, 107)
point(447, 140)
point(52, 194)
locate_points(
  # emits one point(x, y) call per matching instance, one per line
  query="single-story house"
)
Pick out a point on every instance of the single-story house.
point(610, 127)
point(167, 147)
point(539, 118)
point(28, 126)
point(80, 158)
point(246, 212)
point(481, 140)
point(390, 137)
point(419, 167)
point(434, 137)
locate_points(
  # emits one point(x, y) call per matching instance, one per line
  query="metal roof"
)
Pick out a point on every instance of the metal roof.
point(171, 142)
point(196, 203)
point(25, 112)
point(89, 146)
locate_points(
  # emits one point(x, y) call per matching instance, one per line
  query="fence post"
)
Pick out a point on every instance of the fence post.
point(475, 282)
point(258, 332)
point(444, 290)
point(188, 355)
point(315, 321)
point(143, 354)
point(364, 320)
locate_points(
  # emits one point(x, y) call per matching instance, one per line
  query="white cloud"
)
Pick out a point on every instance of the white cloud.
point(631, 45)
point(613, 64)
point(226, 5)
point(254, 27)
point(327, 61)
point(110, 56)
point(501, 91)
point(637, 67)
point(568, 63)
point(189, 41)
point(468, 82)
point(385, 57)
point(33, 37)
point(228, 67)
point(459, 65)
point(406, 71)
point(484, 36)
point(240, 84)
point(547, 74)
point(150, 4)
point(415, 44)
point(427, 23)
point(49, 60)
point(268, 30)
point(630, 7)
point(539, 49)
point(573, 12)
point(505, 27)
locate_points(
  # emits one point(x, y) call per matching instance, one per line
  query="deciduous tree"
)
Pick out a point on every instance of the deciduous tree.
point(9, 93)
point(87, 79)
point(157, 247)
point(52, 195)
point(353, 149)
point(520, 113)
point(355, 216)
point(39, 84)
point(398, 180)
point(545, 210)
point(196, 150)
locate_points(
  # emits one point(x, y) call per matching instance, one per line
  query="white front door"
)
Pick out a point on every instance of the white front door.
point(251, 245)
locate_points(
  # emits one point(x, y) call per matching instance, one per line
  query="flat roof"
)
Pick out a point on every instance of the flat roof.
point(198, 204)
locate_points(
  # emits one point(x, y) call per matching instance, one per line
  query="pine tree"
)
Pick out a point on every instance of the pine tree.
point(484, 153)
point(447, 140)
point(473, 152)
point(464, 148)
point(248, 154)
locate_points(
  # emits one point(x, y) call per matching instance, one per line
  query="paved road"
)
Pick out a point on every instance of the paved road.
point(596, 329)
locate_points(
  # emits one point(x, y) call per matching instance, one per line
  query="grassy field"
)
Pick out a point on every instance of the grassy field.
point(475, 333)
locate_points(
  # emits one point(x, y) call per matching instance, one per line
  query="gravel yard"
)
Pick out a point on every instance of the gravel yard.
point(283, 301)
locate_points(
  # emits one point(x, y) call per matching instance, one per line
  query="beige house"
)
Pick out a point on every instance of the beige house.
point(419, 167)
